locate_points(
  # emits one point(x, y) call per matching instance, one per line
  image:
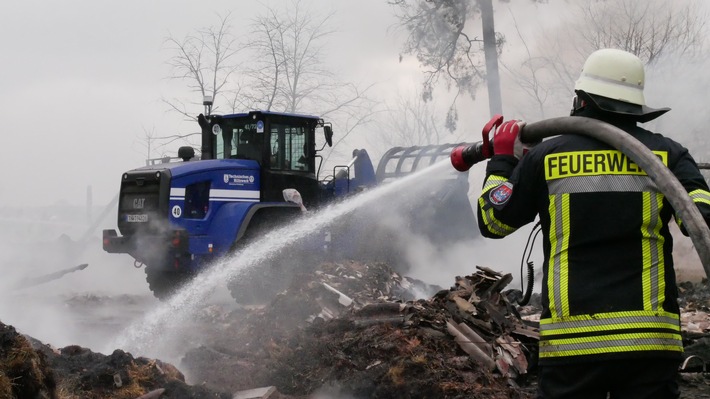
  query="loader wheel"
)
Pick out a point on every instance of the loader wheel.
point(163, 283)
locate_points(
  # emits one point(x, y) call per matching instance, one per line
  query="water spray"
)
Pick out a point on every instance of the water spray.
point(145, 334)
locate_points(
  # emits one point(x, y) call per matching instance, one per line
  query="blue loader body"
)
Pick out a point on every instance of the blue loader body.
point(176, 218)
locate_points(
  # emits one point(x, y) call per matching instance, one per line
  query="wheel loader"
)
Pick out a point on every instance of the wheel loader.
point(176, 217)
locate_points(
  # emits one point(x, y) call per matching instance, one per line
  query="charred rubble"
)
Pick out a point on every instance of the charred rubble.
point(31, 369)
point(351, 329)
point(358, 329)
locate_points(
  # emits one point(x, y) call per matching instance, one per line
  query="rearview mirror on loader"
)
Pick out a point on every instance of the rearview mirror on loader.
point(328, 133)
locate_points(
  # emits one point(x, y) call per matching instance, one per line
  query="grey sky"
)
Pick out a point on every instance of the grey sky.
point(81, 80)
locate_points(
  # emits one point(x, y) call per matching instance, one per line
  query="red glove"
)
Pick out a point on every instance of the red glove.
point(507, 139)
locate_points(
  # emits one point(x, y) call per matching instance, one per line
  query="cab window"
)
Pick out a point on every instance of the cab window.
point(239, 139)
point(289, 146)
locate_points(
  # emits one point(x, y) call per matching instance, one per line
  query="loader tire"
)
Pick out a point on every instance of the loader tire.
point(164, 283)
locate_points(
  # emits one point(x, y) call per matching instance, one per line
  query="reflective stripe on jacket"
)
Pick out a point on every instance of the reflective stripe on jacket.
point(609, 286)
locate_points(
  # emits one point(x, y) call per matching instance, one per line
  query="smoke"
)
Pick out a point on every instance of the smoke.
point(680, 83)
point(83, 307)
point(331, 391)
point(440, 265)
point(546, 46)
point(86, 307)
point(143, 334)
point(429, 231)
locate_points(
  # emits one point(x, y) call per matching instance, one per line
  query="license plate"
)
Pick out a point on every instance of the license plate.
point(136, 218)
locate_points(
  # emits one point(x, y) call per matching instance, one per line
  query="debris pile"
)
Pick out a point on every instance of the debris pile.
point(23, 371)
point(30, 369)
point(348, 329)
point(357, 329)
point(695, 302)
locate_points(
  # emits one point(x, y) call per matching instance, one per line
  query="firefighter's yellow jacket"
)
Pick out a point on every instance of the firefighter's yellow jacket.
point(609, 289)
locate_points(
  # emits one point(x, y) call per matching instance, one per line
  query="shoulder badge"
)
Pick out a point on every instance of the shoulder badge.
point(501, 194)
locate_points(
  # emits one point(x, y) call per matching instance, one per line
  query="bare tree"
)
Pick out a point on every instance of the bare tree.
point(283, 68)
point(530, 76)
point(205, 60)
point(446, 43)
point(150, 142)
point(288, 71)
point(411, 121)
point(449, 54)
point(648, 28)
point(146, 143)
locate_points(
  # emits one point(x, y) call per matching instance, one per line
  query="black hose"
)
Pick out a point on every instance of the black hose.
point(666, 182)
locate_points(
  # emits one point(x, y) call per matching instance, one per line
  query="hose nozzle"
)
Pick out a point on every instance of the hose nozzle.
point(463, 157)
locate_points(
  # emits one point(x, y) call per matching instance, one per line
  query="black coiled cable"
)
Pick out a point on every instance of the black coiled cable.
point(531, 267)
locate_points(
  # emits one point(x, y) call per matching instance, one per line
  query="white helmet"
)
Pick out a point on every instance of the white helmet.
point(619, 76)
point(614, 74)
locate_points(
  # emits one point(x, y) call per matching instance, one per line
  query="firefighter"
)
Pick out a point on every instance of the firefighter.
point(610, 322)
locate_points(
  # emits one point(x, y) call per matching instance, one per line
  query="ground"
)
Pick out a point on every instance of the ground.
point(349, 329)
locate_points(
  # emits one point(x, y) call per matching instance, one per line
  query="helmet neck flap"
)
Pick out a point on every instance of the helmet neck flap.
point(586, 104)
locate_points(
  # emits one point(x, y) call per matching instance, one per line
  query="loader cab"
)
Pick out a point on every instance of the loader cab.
point(283, 145)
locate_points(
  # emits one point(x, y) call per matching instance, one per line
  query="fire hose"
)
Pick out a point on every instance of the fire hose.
point(667, 183)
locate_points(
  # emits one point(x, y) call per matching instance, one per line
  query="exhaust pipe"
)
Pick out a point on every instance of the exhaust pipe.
point(669, 185)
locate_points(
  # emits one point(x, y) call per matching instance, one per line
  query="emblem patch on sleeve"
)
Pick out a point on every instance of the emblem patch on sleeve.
point(501, 194)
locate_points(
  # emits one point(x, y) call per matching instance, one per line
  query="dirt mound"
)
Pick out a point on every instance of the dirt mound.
point(31, 369)
point(23, 371)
